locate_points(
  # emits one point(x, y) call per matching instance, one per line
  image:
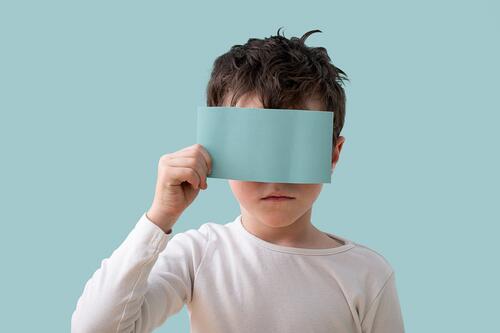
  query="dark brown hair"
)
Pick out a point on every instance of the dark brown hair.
point(283, 73)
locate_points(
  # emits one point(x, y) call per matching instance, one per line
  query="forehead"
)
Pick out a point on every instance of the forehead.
point(251, 100)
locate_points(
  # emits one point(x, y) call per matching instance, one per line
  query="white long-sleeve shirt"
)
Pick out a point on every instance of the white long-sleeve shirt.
point(233, 281)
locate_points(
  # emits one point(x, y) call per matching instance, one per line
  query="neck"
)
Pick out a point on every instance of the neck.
point(285, 233)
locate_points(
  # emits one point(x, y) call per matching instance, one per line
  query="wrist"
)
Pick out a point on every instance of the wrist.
point(164, 221)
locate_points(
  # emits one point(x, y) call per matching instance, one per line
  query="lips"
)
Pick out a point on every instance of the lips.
point(278, 196)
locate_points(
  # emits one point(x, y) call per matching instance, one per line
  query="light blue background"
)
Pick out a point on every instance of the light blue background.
point(92, 93)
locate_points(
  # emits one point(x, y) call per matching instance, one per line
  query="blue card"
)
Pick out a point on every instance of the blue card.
point(267, 145)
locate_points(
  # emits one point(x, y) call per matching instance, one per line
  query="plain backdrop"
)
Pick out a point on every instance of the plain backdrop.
point(92, 93)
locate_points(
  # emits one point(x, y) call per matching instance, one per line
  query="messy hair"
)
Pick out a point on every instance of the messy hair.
point(283, 73)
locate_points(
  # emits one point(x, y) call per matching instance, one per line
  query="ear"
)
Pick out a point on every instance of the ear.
point(336, 151)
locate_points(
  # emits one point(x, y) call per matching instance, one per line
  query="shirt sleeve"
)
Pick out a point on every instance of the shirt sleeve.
point(147, 279)
point(384, 314)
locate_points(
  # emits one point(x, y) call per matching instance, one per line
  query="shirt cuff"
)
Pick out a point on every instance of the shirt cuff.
point(147, 232)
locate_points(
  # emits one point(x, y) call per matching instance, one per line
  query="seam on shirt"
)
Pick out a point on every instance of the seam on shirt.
point(377, 296)
point(205, 251)
point(155, 249)
point(353, 312)
point(310, 254)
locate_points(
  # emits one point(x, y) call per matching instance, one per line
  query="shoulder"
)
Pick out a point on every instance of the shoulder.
point(373, 274)
point(368, 270)
point(210, 230)
point(192, 238)
point(198, 244)
point(204, 234)
point(372, 260)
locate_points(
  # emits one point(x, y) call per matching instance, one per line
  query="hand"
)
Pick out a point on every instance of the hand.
point(180, 176)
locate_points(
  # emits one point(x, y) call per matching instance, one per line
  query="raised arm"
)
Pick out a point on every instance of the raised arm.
point(147, 279)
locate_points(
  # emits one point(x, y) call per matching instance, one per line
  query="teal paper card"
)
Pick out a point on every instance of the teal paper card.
point(267, 145)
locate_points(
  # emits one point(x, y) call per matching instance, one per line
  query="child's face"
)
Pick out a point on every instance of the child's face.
point(278, 213)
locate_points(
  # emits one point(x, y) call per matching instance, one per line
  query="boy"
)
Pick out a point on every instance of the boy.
point(268, 270)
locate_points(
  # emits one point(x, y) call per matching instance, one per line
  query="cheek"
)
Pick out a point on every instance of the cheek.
point(240, 190)
point(311, 192)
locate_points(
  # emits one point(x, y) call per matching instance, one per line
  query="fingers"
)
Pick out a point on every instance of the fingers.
point(196, 149)
point(196, 164)
point(178, 175)
point(188, 174)
point(194, 158)
point(206, 156)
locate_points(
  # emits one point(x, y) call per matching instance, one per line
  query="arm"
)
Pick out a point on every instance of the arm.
point(147, 279)
point(384, 314)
